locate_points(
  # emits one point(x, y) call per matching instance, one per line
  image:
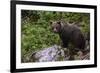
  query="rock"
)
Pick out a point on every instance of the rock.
point(54, 53)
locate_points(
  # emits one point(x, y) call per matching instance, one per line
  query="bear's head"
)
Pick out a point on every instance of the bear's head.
point(56, 26)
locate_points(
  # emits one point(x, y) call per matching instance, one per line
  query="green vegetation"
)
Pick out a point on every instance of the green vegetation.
point(36, 30)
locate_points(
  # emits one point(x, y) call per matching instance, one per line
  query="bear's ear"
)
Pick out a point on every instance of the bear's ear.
point(51, 22)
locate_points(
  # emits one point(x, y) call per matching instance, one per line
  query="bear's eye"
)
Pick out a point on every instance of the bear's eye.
point(52, 28)
point(57, 28)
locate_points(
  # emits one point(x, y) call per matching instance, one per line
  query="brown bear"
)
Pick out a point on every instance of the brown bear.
point(69, 34)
